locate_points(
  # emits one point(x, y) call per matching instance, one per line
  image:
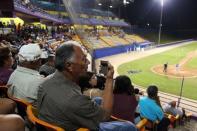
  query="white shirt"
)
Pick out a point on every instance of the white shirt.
point(27, 1)
point(172, 110)
point(25, 83)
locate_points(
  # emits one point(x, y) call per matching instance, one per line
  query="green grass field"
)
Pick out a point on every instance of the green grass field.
point(165, 84)
point(192, 63)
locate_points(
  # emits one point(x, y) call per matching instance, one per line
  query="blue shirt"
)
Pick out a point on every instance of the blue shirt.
point(117, 126)
point(150, 109)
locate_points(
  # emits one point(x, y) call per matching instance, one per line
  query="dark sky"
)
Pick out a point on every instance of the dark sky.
point(179, 14)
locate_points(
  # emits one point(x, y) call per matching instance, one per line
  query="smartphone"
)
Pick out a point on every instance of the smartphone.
point(103, 67)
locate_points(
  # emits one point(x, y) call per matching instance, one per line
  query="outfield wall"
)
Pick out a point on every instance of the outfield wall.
point(173, 43)
point(108, 51)
point(99, 53)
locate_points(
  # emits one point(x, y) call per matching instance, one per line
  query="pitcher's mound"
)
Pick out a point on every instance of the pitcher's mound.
point(173, 72)
point(179, 72)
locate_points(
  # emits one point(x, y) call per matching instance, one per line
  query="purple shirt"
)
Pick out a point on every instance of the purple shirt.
point(124, 106)
point(5, 75)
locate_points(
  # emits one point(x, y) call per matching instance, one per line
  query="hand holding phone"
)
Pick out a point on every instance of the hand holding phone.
point(110, 72)
point(103, 67)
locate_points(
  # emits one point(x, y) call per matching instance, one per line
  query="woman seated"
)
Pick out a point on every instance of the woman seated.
point(125, 102)
point(150, 108)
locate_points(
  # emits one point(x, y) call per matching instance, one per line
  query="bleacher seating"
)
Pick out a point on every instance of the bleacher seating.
point(114, 40)
point(95, 21)
point(109, 41)
point(120, 40)
point(134, 38)
point(97, 43)
point(35, 11)
point(115, 22)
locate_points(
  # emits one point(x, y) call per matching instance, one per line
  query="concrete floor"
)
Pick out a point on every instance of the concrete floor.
point(188, 126)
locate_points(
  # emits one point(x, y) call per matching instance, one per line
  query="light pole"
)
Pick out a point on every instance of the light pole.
point(160, 23)
point(109, 7)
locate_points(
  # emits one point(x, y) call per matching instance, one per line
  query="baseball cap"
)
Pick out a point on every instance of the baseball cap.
point(30, 52)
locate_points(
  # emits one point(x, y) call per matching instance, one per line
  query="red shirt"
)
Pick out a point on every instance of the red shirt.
point(5, 75)
point(124, 107)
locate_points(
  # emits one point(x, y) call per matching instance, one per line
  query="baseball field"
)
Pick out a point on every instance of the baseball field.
point(182, 62)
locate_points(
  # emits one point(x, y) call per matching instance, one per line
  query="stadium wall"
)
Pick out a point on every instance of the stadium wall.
point(99, 53)
point(103, 52)
point(174, 43)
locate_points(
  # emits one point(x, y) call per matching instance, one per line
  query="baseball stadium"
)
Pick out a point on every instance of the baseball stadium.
point(98, 65)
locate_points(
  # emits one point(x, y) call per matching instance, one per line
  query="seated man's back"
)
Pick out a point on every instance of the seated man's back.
point(171, 108)
point(24, 84)
point(60, 101)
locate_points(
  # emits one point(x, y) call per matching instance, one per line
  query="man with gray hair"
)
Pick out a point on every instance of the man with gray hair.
point(25, 80)
point(60, 100)
point(171, 108)
point(48, 68)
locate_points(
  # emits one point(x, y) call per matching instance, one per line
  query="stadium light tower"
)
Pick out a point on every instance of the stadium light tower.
point(160, 23)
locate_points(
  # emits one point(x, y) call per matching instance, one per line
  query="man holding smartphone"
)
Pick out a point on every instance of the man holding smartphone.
point(61, 102)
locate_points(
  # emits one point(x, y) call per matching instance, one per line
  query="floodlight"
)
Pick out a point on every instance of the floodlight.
point(100, 4)
point(162, 2)
point(124, 2)
point(110, 6)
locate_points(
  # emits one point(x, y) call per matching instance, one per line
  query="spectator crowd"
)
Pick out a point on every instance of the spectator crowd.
point(53, 77)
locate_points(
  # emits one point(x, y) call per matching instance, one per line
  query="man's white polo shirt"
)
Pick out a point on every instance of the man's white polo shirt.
point(25, 83)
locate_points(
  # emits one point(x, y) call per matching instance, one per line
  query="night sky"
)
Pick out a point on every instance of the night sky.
point(177, 14)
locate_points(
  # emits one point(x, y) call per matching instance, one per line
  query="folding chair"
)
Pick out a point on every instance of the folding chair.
point(140, 125)
point(188, 116)
point(173, 119)
point(151, 126)
point(42, 125)
point(21, 105)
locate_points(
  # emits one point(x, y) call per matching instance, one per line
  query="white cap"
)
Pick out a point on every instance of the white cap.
point(30, 52)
